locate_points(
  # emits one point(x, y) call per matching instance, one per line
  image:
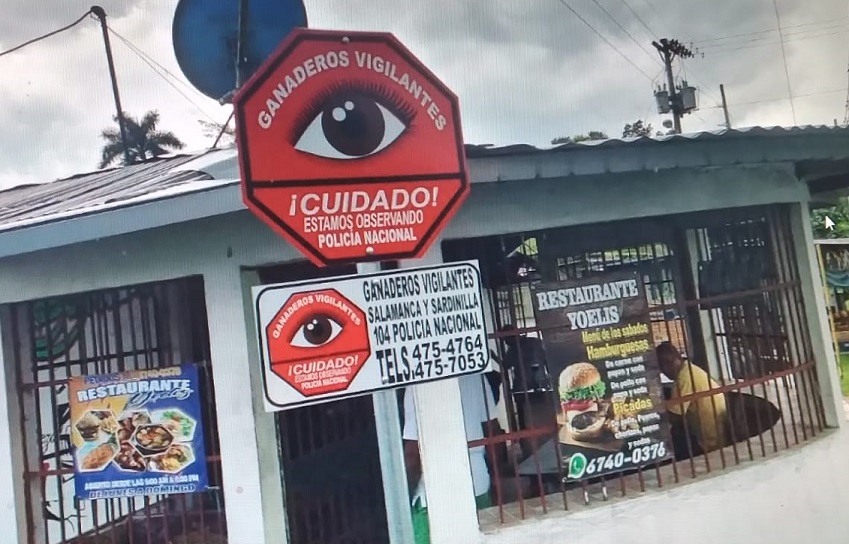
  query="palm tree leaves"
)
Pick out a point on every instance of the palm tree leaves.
point(144, 140)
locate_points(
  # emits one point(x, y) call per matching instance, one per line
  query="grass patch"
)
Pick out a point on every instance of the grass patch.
point(844, 378)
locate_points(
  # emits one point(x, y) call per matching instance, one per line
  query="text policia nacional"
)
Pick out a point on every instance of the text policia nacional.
point(427, 324)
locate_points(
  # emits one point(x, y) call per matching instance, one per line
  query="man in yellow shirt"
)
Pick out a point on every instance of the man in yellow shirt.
point(706, 417)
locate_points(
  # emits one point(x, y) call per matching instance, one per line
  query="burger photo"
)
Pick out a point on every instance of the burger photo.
point(581, 391)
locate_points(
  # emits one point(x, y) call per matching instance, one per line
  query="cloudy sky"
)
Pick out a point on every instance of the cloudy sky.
point(525, 71)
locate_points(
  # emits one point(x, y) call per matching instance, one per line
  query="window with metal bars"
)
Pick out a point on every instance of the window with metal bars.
point(723, 287)
point(138, 327)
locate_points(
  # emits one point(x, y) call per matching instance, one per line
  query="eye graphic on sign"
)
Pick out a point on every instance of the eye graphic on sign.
point(352, 120)
point(315, 331)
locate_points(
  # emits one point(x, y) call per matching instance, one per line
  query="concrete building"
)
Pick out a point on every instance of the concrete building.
point(152, 265)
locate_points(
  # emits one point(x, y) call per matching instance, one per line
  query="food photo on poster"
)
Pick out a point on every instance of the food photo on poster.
point(350, 147)
point(138, 433)
point(321, 340)
point(601, 358)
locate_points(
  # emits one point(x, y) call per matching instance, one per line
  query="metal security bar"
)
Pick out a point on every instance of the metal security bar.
point(330, 461)
point(132, 328)
point(723, 287)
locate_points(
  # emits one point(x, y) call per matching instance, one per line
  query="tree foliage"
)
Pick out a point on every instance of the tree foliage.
point(591, 135)
point(637, 129)
point(144, 140)
point(839, 214)
point(212, 130)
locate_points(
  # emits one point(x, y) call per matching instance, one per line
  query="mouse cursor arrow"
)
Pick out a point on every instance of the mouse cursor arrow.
point(829, 224)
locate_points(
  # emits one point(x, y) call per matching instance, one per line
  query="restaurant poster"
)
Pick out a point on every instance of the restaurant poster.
point(137, 433)
point(602, 363)
point(834, 260)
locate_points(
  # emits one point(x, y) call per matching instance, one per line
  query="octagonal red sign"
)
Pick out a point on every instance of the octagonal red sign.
point(350, 148)
point(318, 342)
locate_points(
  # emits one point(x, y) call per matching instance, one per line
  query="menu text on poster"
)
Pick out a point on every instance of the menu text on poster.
point(601, 358)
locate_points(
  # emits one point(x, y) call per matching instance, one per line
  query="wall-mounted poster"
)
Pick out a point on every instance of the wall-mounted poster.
point(834, 259)
point(137, 433)
point(602, 362)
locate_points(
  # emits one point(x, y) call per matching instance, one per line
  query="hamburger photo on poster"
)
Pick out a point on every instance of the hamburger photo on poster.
point(600, 352)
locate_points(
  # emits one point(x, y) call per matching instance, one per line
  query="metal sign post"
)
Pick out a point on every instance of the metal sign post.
point(352, 150)
point(393, 470)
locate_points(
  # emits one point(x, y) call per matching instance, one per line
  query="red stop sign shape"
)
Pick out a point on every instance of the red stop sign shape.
point(350, 148)
point(318, 342)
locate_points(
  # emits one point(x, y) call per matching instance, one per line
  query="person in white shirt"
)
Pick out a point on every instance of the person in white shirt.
point(480, 417)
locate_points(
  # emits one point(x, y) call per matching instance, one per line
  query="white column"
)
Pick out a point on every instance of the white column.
point(12, 507)
point(444, 453)
point(816, 315)
point(270, 470)
point(242, 436)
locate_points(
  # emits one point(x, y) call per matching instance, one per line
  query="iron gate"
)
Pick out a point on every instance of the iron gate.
point(132, 328)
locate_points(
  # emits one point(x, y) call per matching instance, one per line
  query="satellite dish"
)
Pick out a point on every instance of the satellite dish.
point(206, 33)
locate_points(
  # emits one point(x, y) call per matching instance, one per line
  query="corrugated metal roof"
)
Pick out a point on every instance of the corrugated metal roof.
point(184, 174)
point(473, 151)
point(105, 189)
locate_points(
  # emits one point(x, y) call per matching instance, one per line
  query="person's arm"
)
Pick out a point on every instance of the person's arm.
point(682, 387)
point(410, 435)
point(413, 463)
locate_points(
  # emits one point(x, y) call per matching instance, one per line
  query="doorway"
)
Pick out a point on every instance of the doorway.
point(329, 456)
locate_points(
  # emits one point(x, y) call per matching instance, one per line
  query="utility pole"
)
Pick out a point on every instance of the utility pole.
point(669, 50)
point(240, 45)
point(99, 12)
point(725, 106)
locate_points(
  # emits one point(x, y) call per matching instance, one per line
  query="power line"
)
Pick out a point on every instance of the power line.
point(623, 29)
point(45, 36)
point(654, 9)
point(654, 35)
point(769, 31)
point(640, 19)
point(152, 64)
point(608, 42)
point(767, 100)
point(223, 129)
point(138, 51)
point(733, 48)
point(784, 59)
point(803, 35)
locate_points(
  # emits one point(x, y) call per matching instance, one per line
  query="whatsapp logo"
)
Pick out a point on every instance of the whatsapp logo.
point(577, 466)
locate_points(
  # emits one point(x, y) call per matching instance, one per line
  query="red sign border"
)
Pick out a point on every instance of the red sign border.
point(340, 295)
point(248, 184)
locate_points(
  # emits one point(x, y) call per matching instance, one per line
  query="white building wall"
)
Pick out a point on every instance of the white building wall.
point(219, 247)
point(216, 248)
